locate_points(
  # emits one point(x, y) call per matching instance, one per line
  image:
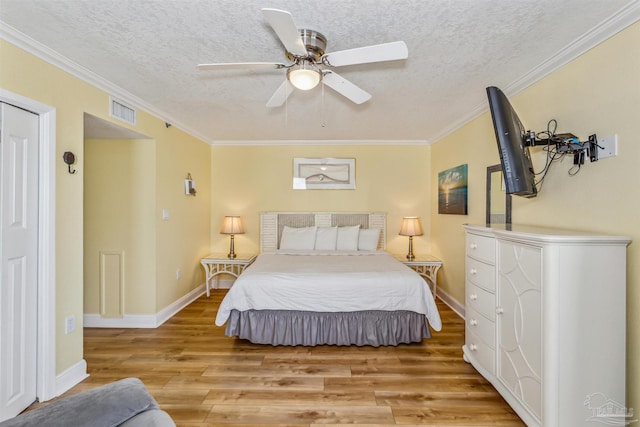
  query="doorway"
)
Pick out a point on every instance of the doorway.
point(119, 222)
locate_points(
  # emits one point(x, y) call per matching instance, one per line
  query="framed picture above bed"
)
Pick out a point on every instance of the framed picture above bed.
point(324, 174)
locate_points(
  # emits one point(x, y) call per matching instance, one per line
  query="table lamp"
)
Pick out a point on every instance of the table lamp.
point(232, 225)
point(411, 227)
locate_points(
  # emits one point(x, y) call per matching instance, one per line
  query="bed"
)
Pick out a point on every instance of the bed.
point(324, 278)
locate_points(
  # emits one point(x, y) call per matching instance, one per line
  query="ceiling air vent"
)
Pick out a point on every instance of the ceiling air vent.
point(122, 112)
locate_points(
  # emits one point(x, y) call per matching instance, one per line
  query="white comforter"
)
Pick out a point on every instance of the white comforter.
point(329, 282)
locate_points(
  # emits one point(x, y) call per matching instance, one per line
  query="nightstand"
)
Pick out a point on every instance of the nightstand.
point(425, 265)
point(217, 264)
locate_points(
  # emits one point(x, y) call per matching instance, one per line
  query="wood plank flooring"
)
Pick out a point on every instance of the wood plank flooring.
point(203, 378)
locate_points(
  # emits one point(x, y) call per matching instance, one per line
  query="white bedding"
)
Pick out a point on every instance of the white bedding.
point(329, 282)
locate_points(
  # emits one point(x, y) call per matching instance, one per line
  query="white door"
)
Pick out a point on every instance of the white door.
point(18, 258)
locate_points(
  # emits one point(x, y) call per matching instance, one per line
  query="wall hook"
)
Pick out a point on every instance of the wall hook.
point(69, 158)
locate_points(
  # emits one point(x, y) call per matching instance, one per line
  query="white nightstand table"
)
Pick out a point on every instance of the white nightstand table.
point(217, 264)
point(425, 265)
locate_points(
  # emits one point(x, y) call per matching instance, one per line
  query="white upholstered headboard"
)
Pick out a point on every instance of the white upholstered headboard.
point(272, 223)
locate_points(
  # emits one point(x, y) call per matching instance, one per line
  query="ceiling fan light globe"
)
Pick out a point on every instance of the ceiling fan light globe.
point(305, 76)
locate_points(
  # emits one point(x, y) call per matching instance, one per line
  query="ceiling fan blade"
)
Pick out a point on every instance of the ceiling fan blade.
point(240, 66)
point(345, 87)
point(282, 23)
point(281, 94)
point(364, 55)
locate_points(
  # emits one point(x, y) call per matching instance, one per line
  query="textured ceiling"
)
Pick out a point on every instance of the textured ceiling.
point(147, 50)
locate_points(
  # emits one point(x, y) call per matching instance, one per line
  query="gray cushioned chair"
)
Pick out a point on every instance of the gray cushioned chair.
point(124, 403)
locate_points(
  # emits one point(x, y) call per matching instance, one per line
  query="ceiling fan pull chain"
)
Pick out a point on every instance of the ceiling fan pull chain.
point(286, 112)
point(322, 108)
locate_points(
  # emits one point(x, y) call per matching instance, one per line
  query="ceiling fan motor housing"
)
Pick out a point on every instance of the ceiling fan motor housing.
point(314, 42)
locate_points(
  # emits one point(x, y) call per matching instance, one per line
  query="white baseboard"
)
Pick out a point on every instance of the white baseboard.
point(71, 377)
point(143, 320)
point(451, 302)
point(169, 311)
point(126, 321)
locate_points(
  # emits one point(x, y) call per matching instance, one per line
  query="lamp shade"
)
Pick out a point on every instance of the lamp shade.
point(411, 226)
point(232, 225)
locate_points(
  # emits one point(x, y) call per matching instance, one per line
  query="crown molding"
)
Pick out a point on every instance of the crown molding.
point(321, 142)
point(617, 22)
point(52, 57)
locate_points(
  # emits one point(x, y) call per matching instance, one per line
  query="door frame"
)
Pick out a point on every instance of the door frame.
point(46, 325)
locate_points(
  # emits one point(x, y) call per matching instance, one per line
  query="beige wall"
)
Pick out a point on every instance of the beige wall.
point(119, 216)
point(475, 146)
point(585, 97)
point(250, 179)
point(180, 241)
point(183, 239)
point(498, 202)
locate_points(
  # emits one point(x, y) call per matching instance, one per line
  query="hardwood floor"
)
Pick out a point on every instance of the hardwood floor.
point(203, 378)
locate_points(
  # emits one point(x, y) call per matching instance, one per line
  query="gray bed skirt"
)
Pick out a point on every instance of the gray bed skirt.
point(284, 327)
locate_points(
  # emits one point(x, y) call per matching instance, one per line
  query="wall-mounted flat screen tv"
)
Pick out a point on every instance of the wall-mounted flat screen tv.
point(519, 177)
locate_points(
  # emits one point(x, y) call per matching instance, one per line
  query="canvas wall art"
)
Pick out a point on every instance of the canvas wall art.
point(452, 191)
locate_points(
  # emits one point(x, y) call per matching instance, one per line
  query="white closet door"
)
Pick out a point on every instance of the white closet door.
point(18, 258)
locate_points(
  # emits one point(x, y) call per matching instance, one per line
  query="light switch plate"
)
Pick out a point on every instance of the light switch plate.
point(69, 324)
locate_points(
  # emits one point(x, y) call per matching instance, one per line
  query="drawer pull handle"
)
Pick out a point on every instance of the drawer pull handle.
point(473, 322)
point(473, 347)
point(473, 271)
point(473, 297)
point(499, 310)
point(473, 246)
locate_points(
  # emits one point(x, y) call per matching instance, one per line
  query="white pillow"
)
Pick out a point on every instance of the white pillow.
point(326, 238)
point(368, 239)
point(303, 238)
point(348, 238)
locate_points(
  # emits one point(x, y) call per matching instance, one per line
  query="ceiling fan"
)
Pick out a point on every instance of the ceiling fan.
point(309, 64)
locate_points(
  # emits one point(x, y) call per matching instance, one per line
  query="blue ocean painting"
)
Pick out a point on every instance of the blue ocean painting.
point(452, 191)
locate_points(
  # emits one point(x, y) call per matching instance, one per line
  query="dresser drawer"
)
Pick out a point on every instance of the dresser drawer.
point(480, 352)
point(481, 247)
point(481, 274)
point(481, 300)
point(481, 327)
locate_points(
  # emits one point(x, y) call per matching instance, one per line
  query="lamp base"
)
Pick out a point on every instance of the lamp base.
point(231, 254)
point(410, 256)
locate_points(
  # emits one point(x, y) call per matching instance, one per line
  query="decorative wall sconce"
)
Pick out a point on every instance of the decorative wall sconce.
point(69, 158)
point(189, 186)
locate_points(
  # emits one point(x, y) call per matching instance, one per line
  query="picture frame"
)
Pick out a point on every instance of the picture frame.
point(452, 190)
point(324, 174)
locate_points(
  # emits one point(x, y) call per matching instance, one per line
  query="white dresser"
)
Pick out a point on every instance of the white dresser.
point(545, 319)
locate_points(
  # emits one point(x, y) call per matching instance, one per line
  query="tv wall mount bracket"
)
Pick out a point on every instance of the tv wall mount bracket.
point(568, 143)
